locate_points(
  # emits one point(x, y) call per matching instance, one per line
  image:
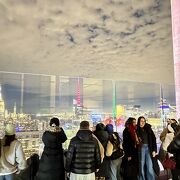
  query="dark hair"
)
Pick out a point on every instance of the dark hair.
point(84, 125)
point(100, 127)
point(55, 121)
point(9, 139)
point(129, 121)
point(174, 120)
point(175, 127)
point(139, 118)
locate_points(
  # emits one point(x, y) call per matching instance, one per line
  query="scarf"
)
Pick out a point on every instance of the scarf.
point(132, 131)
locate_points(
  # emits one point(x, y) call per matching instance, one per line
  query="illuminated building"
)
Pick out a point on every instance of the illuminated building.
point(2, 105)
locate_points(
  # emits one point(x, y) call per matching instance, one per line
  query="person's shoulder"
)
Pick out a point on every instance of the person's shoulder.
point(46, 132)
point(94, 139)
point(74, 139)
point(16, 143)
point(148, 127)
point(125, 130)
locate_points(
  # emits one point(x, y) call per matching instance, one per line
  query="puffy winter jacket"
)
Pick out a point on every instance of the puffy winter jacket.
point(51, 166)
point(83, 156)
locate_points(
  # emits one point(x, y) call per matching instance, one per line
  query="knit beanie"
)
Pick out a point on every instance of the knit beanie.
point(9, 129)
point(109, 128)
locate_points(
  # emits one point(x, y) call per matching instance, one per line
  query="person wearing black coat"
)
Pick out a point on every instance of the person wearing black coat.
point(130, 146)
point(51, 166)
point(174, 148)
point(148, 149)
point(83, 157)
point(103, 137)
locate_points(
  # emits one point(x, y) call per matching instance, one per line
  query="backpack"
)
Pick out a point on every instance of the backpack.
point(118, 153)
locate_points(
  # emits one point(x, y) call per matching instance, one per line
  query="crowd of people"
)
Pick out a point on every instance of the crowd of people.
point(96, 155)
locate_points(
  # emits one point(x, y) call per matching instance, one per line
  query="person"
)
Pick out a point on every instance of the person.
point(148, 149)
point(83, 157)
point(103, 137)
point(51, 165)
point(168, 138)
point(174, 148)
point(112, 146)
point(130, 146)
point(162, 152)
point(12, 158)
point(165, 131)
point(176, 127)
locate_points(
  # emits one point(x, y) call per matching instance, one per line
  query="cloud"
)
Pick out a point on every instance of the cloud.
point(72, 33)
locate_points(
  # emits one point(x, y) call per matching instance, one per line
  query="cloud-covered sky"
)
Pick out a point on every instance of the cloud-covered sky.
point(103, 39)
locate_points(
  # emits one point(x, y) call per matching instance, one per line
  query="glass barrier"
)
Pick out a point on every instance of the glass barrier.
point(29, 101)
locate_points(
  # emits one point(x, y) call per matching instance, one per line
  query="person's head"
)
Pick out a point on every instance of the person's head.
point(109, 128)
point(168, 121)
point(141, 121)
point(84, 125)
point(9, 134)
point(54, 122)
point(131, 121)
point(100, 127)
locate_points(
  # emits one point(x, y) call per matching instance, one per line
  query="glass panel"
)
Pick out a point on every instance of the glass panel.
point(29, 101)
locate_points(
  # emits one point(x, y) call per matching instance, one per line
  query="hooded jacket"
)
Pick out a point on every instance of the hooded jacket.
point(83, 156)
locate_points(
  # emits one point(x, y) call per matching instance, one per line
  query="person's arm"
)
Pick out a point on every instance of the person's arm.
point(69, 156)
point(126, 144)
point(109, 149)
point(44, 137)
point(168, 139)
point(100, 147)
point(154, 144)
point(20, 157)
point(163, 134)
point(62, 135)
point(97, 156)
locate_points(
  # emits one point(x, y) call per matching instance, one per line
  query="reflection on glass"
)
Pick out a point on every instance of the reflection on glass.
point(29, 101)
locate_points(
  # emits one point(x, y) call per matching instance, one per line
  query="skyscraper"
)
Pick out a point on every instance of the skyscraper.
point(2, 104)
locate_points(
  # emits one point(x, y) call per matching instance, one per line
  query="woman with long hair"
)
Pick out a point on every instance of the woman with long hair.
point(148, 149)
point(130, 146)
